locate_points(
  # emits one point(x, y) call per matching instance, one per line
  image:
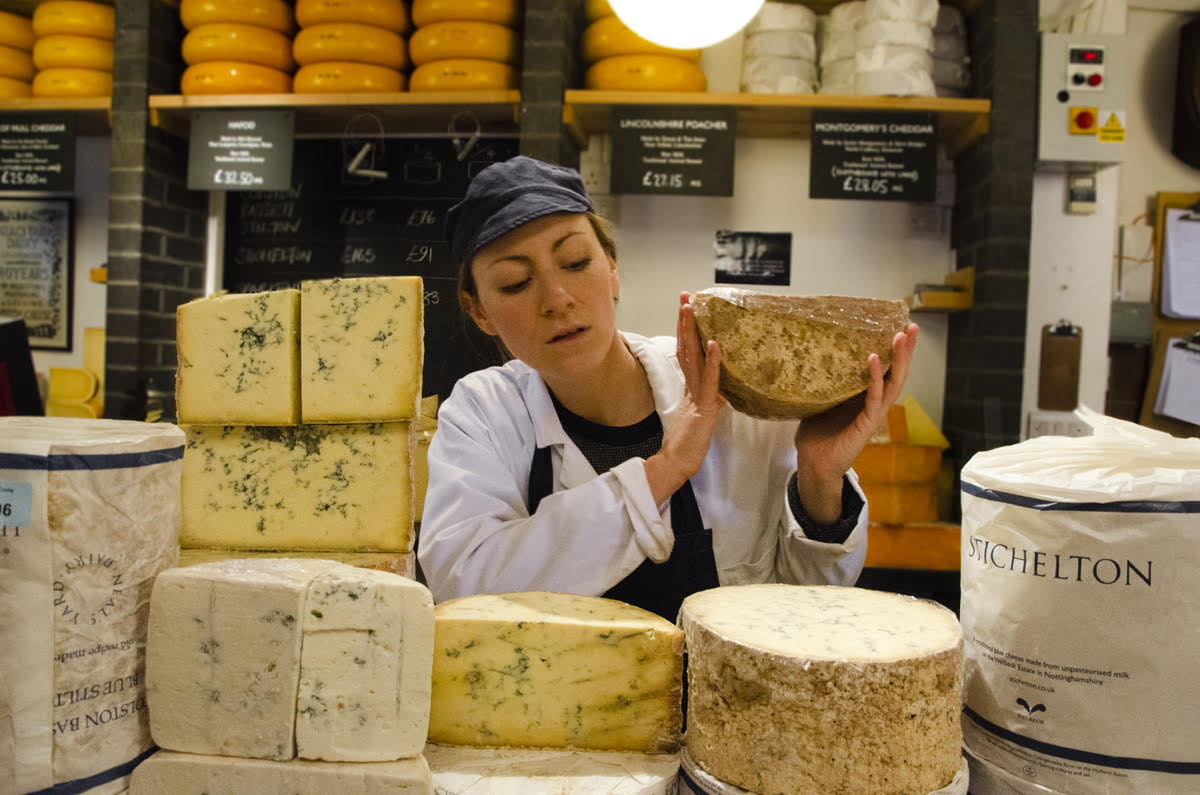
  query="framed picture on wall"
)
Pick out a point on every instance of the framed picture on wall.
point(37, 269)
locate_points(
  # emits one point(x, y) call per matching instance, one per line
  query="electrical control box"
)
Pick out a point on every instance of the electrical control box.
point(1081, 109)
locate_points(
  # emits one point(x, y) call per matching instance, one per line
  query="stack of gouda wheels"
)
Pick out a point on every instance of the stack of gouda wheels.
point(237, 46)
point(620, 60)
point(350, 46)
point(16, 64)
point(464, 45)
point(73, 49)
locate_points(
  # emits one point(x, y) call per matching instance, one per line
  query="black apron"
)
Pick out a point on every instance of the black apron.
point(657, 587)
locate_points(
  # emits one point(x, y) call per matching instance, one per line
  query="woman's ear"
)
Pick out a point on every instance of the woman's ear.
point(472, 307)
point(614, 279)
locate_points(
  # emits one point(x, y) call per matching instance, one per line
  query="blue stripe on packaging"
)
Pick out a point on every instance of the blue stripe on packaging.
point(93, 462)
point(1120, 506)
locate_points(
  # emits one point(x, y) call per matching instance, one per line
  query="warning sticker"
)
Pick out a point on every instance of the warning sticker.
point(1112, 126)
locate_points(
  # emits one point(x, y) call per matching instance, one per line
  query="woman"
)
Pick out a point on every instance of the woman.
point(605, 463)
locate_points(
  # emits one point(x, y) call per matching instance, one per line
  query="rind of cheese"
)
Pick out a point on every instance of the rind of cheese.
point(364, 668)
point(235, 41)
point(16, 64)
point(546, 670)
point(75, 18)
point(823, 689)
point(362, 349)
point(196, 774)
point(389, 14)
point(463, 74)
point(609, 36)
point(342, 488)
point(233, 77)
point(645, 73)
point(500, 12)
point(402, 563)
point(350, 41)
point(16, 31)
point(484, 40)
point(82, 52)
point(507, 771)
point(223, 656)
point(64, 83)
point(332, 77)
point(272, 14)
point(14, 89)
point(239, 357)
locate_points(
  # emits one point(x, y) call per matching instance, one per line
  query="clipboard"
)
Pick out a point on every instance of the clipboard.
point(1166, 328)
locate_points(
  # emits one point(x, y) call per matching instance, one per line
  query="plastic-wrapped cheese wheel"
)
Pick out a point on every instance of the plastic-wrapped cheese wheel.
point(501, 12)
point(16, 31)
point(80, 52)
point(14, 89)
point(444, 40)
point(235, 41)
point(609, 36)
point(234, 77)
point(16, 64)
point(350, 41)
point(463, 74)
point(645, 73)
point(273, 14)
point(389, 14)
point(334, 77)
point(67, 82)
point(74, 18)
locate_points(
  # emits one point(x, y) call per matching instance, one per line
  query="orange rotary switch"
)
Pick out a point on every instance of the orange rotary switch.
point(1082, 121)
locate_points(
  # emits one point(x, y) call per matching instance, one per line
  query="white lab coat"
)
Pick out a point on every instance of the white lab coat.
point(477, 536)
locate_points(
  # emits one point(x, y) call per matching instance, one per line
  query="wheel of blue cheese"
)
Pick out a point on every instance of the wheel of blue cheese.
point(822, 689)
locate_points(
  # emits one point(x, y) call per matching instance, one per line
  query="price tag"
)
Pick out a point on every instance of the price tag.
point(38, 152)
point(16, 504)
point(241, 150)
point(876, 155)
point(687, 151)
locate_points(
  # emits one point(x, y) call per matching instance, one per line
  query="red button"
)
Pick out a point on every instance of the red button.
point(1094, 80)
point(1084, 119)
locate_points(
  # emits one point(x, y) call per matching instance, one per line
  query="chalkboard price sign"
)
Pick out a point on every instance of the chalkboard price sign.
point(875, 155)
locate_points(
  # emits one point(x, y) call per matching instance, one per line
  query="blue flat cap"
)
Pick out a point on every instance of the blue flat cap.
point(506, 195)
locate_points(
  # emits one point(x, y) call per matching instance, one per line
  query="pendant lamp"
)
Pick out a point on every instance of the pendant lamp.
point(685, 24)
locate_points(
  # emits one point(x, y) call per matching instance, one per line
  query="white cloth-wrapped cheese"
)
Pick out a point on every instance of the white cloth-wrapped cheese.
point(783, 16)
point(922, 11)
point(840, 72)
point(846, 16)
point(89, 514)
point(911, 83)
point(951, 74)
point(889, 31)
point(838, 46)
point(950, 46)
point(508, 771)
point(781, 43)
point(894, 58)
point(771, 74)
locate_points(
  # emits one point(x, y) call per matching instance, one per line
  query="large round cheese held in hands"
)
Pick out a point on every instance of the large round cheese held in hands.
point(788, 357)
point(822, 689)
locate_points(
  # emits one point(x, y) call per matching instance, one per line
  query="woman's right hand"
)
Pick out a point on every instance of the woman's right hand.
point(686, 442)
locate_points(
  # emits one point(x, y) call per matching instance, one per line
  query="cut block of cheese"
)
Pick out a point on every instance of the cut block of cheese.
point(823, 689)
point(501, 12)
point(463, 74)
point(645, 73)
point(223, 656)
point(71, 384)
point(402, 563)
point(361, 348)
point(549, 670)
point(388, 14)
point(66, 82)
point(14, 89)
point(462, 39)
point(74, 18)
point(787, 357)
point(198, 774)
point(233, 77)
point(16, 31)
point(347, 77)
point(609, 36)
point(310, 487)
point(16, 64)
point(82, 52)
point(510, 771)
point(273, 14)
point(364, 667)
point(239, 359)
point(350, 41)
point(235, 41)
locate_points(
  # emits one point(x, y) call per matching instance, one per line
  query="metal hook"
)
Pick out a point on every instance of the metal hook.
point(461, 149)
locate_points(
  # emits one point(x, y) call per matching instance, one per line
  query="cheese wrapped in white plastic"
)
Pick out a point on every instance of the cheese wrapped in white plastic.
point(771, 74)
point(775, 15)
point(909, 83)
point(894, 58)
point(839, 73)
point(889, 31)
point(782, 43)
point(922, 11)
point(846, 16)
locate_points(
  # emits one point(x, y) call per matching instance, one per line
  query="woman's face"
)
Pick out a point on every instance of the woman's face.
point(546, 289)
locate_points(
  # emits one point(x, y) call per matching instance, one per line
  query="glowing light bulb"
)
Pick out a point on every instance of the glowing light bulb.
point(685, 24)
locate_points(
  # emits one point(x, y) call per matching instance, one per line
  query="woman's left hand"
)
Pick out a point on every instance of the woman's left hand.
point(827, 443)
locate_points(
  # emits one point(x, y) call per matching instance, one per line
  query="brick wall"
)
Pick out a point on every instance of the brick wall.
point(550, 66)
point(155, 226)
point(991, 229)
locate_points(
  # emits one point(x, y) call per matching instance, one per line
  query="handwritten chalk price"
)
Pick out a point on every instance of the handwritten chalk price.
point(225, 176)
point(865, 185)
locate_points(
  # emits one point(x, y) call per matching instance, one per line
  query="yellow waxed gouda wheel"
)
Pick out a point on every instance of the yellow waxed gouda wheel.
point(388, 14)
point(463, 74)
point(501, 12)
point(74, 18)
point(347, 77)
point(609, 36)
point(16, 31)
point(444, 40)
point(350, 41)
point(273, 14)
point(234, 41)
point(16, 64)
point(71, 384)
point(597, 9)
point(645, 73)
point(79, 52)
point(14, 89)
point(67, 82)
point(234, 77)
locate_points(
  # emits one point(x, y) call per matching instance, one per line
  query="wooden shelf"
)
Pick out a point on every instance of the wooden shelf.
point(330, 114)
point(93, 115)
point(961, 121)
